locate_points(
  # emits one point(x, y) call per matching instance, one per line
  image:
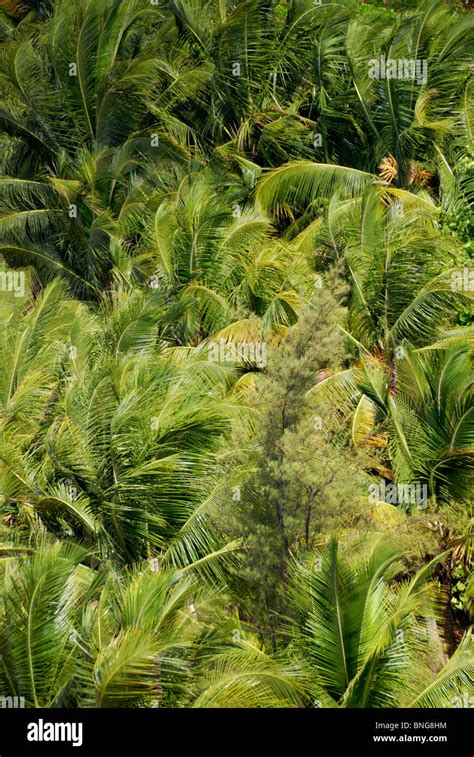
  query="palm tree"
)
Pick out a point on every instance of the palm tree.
point(108, 435)
point(81, 140)
point(431, 421)
point(402, 299)
point(366, 638)
point(18, 9)
point(402, 116)
point(179, 176)
point(92, 110)
point(72, 636)
point(217, 261)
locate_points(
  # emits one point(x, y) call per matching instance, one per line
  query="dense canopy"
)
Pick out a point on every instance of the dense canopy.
point(237, 338)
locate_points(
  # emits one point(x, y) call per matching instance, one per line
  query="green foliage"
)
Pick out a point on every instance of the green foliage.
point(460, 588)
point(299, 487)
point(236, 294)
point(366, 638)
point(72, 636)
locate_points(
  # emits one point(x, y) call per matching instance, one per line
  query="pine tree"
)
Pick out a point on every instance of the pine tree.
point(305, 475)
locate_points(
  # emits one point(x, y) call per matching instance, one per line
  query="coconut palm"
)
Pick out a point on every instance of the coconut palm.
point(402, 116)
point(107, 435)
point(81, 140)
point(399, 267)
point(402, 299)
point(431, 421)
point(366, 638)
point(92, 109)
point(18, 9)
point(176, 178)
point(72, 636)
point(218, 262)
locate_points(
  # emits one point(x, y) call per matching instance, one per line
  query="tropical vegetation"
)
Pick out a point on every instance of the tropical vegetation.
point(237, 387)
